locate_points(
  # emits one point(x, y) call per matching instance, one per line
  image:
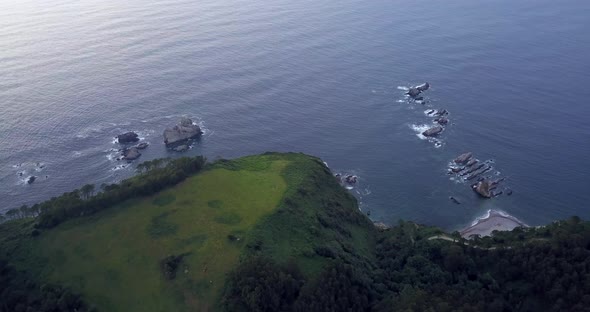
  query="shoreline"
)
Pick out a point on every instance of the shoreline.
point(493, 221)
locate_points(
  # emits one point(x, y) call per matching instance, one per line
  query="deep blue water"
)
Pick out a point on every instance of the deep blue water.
point(320, 77)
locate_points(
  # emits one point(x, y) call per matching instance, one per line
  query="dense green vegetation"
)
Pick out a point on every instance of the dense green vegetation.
point(274, 232)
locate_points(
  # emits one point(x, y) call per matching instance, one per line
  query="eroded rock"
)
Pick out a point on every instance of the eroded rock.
point(483, 189)
point(131, 153)
point(434, 131)
point(442, 121)
point(181, 133)
point(128, 137)
point(463, 158)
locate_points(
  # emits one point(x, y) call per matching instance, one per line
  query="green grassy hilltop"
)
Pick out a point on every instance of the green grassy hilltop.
point(113, 258)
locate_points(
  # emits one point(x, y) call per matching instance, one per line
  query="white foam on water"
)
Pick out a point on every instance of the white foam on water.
point(419, 129)
point(488, 213)
point(201, 125)
point(120, 167)
point(430, 112)
point(403, 88)
point(326, 164)
point(483, 217)
point(76, 154)
point(400, 101)
point(112, 154)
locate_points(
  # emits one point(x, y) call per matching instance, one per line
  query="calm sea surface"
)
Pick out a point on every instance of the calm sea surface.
point(320, 77)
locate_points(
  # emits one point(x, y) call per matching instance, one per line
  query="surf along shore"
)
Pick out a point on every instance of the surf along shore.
point(493, 221)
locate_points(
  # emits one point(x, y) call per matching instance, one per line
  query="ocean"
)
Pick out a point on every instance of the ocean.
point(325, 78)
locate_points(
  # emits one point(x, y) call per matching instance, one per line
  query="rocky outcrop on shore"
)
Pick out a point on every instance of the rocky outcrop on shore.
point(186, 130)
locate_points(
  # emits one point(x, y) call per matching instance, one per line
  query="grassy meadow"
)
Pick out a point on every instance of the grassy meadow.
point(113, 257)
point(287, 207)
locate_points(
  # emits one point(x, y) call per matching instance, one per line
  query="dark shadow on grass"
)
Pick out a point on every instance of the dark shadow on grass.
point(160, 227)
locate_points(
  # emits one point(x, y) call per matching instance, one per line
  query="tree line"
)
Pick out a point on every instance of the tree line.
point(20, 293)
point(536, 269)
point(153, 176)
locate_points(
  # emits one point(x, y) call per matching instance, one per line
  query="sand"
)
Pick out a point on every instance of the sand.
point(496, 221)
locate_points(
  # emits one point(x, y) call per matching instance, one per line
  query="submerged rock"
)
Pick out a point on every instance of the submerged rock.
point(128, 137)
point(434, 131)
point(142, 145)
point(478, 173)
point(473, 169)
point(181, 148)
point(131, 153)
point(463, 158)
point(31, 179)
point(457, 169)
point(182, 132)
point(442, 121)
point(351, 179)
point(455, 200)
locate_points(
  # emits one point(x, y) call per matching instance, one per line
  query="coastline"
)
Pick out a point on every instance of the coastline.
point(493, 221)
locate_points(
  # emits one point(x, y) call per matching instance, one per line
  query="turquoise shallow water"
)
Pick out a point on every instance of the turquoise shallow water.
point(320, 77)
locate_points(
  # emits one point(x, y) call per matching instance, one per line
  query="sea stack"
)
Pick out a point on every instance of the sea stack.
point(128, 137)
point(181, 133)
point(483, 189)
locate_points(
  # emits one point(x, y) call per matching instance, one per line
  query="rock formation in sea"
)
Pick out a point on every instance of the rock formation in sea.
point(131, 153)
point(442, 121)
point(181, 133)
point(181, 148)
point(415, 91)
point(434, 131)
point(128, 137)
point(483, 189)
point(463, 158)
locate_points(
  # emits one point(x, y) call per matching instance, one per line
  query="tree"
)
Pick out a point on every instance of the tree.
point(87, 191)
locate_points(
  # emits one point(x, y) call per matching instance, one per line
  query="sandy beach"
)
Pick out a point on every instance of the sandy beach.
point(495, 221)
